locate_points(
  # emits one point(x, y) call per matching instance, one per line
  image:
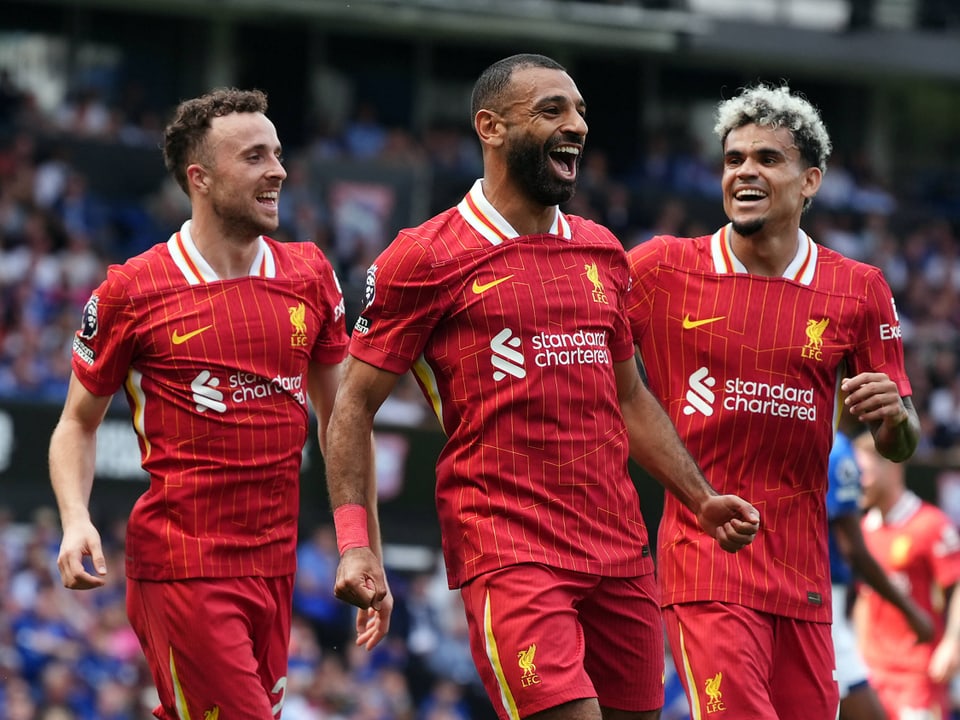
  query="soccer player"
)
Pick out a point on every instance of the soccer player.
point(223, 339)
point(919, 548)
point(748, 337)
point(510, 314)
point(848, 553)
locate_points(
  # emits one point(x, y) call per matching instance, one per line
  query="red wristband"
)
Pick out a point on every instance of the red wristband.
point(350, 522)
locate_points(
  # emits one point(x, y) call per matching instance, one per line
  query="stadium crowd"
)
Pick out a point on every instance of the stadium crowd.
point(72, 656)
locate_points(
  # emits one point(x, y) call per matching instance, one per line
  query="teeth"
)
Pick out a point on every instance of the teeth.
point(268, 196)
point(569, 149)
point(750, 195)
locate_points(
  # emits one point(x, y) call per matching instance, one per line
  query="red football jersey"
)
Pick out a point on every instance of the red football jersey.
point(512, 339)
point(918, 547)
point(215, 372)
point(748, 368)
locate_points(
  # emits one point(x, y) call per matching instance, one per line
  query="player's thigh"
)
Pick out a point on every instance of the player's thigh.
point(804, 655)
point(526, 638)
point(911, 695)
point(589, 709)
point(723, 655)
point(624, 655)
point(214, 645)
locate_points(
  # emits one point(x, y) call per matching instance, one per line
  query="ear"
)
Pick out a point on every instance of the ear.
point(198, 178)
point(812, 177)
point(490, 127)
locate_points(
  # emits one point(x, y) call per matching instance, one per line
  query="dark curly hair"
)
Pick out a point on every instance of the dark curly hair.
point(185, 136)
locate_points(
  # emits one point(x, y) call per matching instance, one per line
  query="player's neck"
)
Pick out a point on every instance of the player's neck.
point(525, 216)
point(765, 253)
point(230, 257)
point(889, 501)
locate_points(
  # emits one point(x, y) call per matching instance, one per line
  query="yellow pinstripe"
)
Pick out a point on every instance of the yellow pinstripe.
point(493, 654)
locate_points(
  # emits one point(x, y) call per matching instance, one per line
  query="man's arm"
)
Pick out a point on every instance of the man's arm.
point(873, 398)
point(361, 579)
point(656, 446)
point(322, 383)
point(846, 529)
point(946, 656)
point(72, 457)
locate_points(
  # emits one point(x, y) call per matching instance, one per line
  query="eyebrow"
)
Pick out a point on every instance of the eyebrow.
point(262, 147)
point(764, 151)
point(560, 100)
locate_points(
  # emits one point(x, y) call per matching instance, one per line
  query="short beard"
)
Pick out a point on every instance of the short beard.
point(751, 227)
point(242, 225)
point(528, 164)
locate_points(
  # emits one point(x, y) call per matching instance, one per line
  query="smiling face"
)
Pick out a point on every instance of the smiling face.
point(765, 180)
point(546, 130)
point(241, 173)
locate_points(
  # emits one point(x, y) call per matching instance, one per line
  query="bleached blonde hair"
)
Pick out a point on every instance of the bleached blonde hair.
point(776, 107)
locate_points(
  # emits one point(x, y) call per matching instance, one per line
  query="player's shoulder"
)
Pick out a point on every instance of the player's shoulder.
point(437, 241)
point(939, 528)
point(137, 273)
point(585, 229)
point(437, 230)
point(930, 515)
point(294, 255)
point(668, 249)
point(864, 272)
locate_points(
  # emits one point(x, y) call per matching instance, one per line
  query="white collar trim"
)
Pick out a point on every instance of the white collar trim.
point(487, 220)
point(197, 271)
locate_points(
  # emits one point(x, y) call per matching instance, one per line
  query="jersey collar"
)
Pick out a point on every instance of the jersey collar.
point(801, 268)
point(903, 509)
point(197, 271)
point(486, 220)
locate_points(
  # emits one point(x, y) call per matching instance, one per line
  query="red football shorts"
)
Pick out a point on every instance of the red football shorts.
point(910, 695)
point(542, 637)
point(741, 664)
point(216, 647)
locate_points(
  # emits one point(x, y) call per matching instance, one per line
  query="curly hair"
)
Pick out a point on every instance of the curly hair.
point(184, 138)
point(776, 107)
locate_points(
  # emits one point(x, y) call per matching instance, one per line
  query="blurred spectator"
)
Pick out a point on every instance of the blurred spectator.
point(85, 114)
point(330, 619)
point(405, 406)
point(11, 99)
point(17, 699)
point(80, 212)
point(45, 633)
point(50, 176)
point(364, 137)
point(446, 701)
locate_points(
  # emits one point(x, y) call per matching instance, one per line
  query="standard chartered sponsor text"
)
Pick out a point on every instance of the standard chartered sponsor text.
point(248, 385)
point(777, 399)
point(577, 348)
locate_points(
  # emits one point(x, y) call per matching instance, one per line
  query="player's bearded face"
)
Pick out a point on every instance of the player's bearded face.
point(245, 172)
point(529, 164)
point(240, 212)
point(749, 227)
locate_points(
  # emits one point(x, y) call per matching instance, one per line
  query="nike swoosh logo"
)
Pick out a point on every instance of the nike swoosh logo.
point(179, 339)
point(480, 288)
point(689, 324)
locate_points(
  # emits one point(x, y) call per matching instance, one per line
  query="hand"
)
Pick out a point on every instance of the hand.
point(373, 625)
point(79, 541)
point(873, 398)
point(361, 581)
point(945, 660)
point(732, 521)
